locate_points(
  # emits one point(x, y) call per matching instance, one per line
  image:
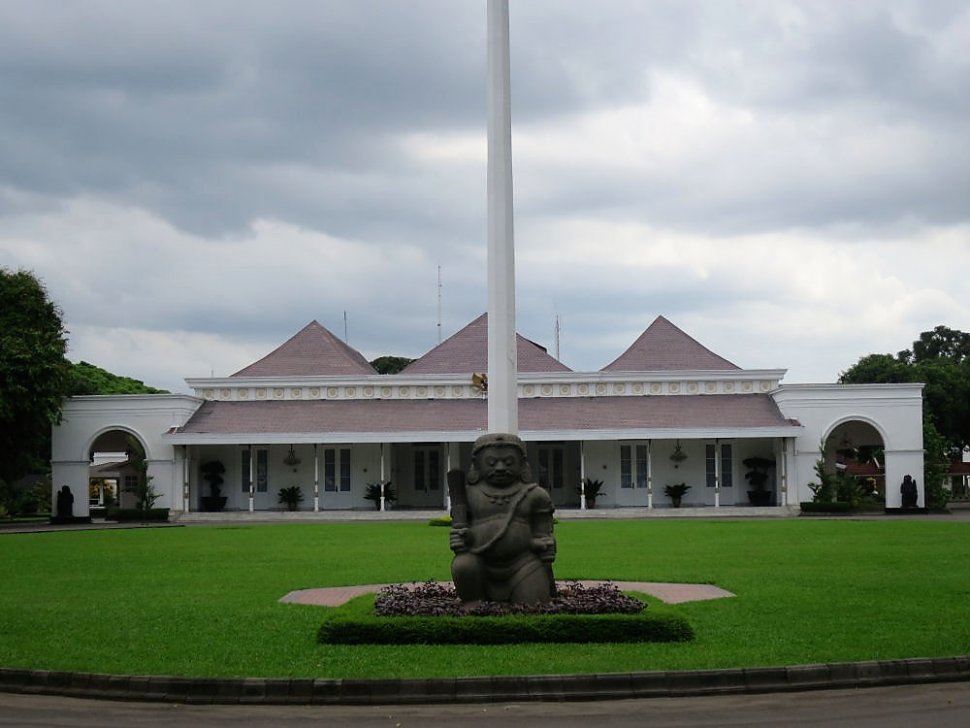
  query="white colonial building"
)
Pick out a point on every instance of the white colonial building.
point(314, 414)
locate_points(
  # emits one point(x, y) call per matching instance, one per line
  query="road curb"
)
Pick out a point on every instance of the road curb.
point(607, 686)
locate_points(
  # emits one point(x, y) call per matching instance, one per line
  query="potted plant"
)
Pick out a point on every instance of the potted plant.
point(757, 477)
point(676, 493)
point(212, 473)
point(291, 497)
point(591, 489)
point(373, 493)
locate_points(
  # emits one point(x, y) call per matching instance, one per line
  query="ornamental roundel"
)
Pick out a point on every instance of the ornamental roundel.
point(765, 386)
point(638, 389)
point(655, 388)
point(528, 390)
point(674, 387)
point(260, 393)
point(563, 389)
point(368, 391)
point(457, 391)
point(746, 387)
point(620, 389)
point(692, 387)
point(207, 393)
point(600, 389)
point(225, 393)
point(584, 389)
point(404, 392)
point(331, 392)
point(243, 394)
point(314, 392)
point(711, 387)
point(547, 389)
point(421, 392)
point(439, 391)
point(296, 392)
point(729, 387)
point(385, 391)
point(278, 393)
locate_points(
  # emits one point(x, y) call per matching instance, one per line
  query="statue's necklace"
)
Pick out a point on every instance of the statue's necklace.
point(498, 497)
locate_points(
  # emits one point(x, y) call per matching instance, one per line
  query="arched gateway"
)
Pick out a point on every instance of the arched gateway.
point(314, 415)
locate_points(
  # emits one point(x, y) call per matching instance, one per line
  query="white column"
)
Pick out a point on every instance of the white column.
point(649, 474)
point(503, 412)
point(252, 479)
point(382, 478)
point(316, 478)
point(783, 501)
point(185, 479)
point(447, 470)
point(717, 473)
point(582, 476)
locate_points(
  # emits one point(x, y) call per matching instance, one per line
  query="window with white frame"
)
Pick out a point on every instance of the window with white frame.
point(633, 465)
point(427, 467)
point(336, 470)
point(262, 470)
point(727, 464)
point(551, 468)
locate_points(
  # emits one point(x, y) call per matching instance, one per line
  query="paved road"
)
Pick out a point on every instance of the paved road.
point(930, 706)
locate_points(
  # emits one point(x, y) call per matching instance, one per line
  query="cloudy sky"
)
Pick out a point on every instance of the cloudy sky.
point(788, 182)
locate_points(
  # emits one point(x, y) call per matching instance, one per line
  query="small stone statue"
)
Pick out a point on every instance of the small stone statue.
point(65, 503)
point(501, 527)
point(910, 496)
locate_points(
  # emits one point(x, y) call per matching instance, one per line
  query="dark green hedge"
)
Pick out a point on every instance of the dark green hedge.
point(644, 627)
point(832, 507)
point(136, 514)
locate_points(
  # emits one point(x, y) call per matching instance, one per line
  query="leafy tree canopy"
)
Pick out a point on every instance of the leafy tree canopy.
point(90, 379)
point(33, 372)
point(941, 360)
point(390, 364)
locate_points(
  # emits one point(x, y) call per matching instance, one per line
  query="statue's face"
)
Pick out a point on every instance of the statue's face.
point(500, 464)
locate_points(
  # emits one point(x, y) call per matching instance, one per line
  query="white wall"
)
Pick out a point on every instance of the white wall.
point(147, 417)
point(894, 410)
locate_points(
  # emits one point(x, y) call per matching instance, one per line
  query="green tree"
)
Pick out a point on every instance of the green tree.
point(390, 364)
point(90, 379)
point(941, 360)
point(33, 373)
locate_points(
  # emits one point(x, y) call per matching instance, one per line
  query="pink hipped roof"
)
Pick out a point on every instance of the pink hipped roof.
point(389, 416)
point(466, 352)
point(663, 348)
point(312, 351)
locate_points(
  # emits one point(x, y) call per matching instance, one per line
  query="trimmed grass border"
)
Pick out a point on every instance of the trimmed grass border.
point(355, 624)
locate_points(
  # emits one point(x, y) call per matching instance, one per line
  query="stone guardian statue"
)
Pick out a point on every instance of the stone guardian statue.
point(501, 527)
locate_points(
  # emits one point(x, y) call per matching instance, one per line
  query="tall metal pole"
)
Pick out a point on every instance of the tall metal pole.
point(503, 411)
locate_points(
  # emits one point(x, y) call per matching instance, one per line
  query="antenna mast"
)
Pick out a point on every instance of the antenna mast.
point(439, 304)
point(558, 331)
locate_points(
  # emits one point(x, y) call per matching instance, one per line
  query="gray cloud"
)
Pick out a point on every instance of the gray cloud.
point(233, 170)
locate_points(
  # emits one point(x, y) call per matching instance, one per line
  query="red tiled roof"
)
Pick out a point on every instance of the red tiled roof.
point(863, 469)
point(466, 352)
point(664, 347)
point(537, 414)
point(311, 351)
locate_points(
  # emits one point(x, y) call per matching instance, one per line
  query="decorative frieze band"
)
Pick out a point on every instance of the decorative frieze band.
point(591, 388)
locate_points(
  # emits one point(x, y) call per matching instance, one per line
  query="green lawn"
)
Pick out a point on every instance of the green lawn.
point(203, 600)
